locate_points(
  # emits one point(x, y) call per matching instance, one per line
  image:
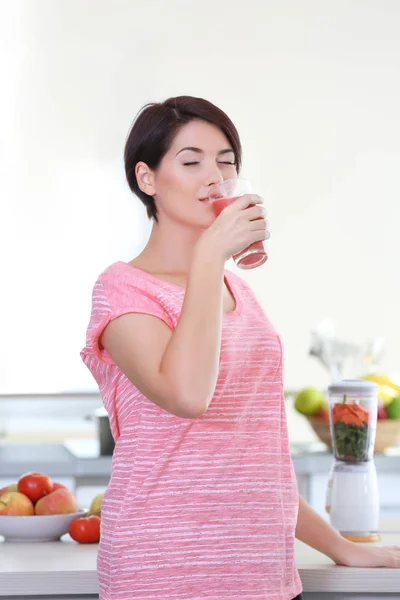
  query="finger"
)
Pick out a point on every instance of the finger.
point(255, 212)
point(261, 235)
point(258, 224)
point(262, 230)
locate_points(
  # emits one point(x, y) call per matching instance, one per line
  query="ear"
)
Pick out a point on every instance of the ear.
point(145, 178)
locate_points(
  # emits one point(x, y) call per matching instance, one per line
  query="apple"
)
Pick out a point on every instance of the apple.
point(58, 486)
point(13, 487)
point(393, 408)
point(35, 485)
point(382, 412)
point(59, 502)
point(95, 506)
point(16, 504)
point(309, 401)
point(322, 414)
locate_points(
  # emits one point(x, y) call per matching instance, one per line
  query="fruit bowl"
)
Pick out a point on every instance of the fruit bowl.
point(387, 432)
point(36, 528)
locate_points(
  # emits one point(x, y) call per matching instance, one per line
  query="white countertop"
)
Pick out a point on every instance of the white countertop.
point(67, 568)
point(319, 574)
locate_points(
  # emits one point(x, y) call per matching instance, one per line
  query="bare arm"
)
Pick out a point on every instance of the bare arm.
point(314, 531)
point(178, 370)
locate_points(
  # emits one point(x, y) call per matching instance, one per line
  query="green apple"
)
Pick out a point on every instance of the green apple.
point(309, 401)
point(393, 408)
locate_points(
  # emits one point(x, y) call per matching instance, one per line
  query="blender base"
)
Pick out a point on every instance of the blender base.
point(353, 501)
point(372, 536)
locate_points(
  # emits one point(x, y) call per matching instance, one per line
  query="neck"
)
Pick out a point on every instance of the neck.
point(169, 249)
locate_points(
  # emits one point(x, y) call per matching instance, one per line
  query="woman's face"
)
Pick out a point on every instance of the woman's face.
point(200, 156)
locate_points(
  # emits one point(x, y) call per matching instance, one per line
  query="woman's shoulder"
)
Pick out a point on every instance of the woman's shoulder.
point(121, 275)
point(125, 287)
point(120, 289)
point(119, 269)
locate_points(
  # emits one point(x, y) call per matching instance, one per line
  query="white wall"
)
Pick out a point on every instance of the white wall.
point(314, 89)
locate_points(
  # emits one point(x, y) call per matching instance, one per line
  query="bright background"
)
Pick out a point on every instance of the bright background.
point(314, 89)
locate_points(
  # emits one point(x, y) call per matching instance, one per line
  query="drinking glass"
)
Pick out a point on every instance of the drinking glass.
point(220, 196)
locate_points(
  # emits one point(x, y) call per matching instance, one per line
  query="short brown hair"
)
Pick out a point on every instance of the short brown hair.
point(154, 129)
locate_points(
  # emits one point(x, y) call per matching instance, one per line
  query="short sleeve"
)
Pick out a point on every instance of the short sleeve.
point(113, 296)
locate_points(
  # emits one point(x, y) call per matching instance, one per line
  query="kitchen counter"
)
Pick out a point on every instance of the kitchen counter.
point(78, 464)
point(67, 570)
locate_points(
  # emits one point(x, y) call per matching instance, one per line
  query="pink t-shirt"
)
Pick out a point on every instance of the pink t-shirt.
point(204, 508)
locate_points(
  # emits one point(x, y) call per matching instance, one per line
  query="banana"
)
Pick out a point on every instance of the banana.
point(386, 394)
point(383, 379)
point(389, 387)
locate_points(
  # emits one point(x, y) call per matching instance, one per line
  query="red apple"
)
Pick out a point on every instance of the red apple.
point(16, 504)
point(322, 414)
point(35, 485)
point(382, 413)
point(13, 487)
point(59, 502)
point(58, 486)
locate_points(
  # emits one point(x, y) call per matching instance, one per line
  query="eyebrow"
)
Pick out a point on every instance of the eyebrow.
point(199, 151)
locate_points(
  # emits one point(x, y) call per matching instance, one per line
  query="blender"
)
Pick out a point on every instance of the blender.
point(352, 496)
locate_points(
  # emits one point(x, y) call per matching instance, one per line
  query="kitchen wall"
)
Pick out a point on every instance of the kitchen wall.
point(313, 88)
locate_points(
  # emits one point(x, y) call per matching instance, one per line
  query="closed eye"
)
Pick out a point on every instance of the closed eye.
point(221, 162)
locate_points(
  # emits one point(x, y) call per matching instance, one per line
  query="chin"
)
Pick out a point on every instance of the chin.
point(197, 224)
point(198, 219)
point(203, 222)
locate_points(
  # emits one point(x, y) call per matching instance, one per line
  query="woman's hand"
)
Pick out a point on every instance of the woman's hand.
point(240, 224)
point(314, 530)
point(354, 554)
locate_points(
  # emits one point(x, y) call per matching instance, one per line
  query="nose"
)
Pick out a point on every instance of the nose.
point(214, 176)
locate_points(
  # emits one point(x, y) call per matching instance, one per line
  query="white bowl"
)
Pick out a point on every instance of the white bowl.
point(37, 528)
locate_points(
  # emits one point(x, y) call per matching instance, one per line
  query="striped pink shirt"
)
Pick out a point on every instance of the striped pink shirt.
point(205, 508)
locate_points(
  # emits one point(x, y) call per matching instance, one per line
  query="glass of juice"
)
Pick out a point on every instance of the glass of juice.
point(220, 196)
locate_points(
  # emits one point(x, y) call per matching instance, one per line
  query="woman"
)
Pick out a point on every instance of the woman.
point(203, 501)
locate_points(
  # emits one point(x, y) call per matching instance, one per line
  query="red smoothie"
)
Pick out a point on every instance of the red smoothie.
point(221, 203)
point(258, 255)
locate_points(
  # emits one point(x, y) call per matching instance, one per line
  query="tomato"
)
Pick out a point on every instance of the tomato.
point(35, 485)
point(85, 530)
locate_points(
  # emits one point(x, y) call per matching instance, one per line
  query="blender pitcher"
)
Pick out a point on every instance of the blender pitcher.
point(352, 496)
